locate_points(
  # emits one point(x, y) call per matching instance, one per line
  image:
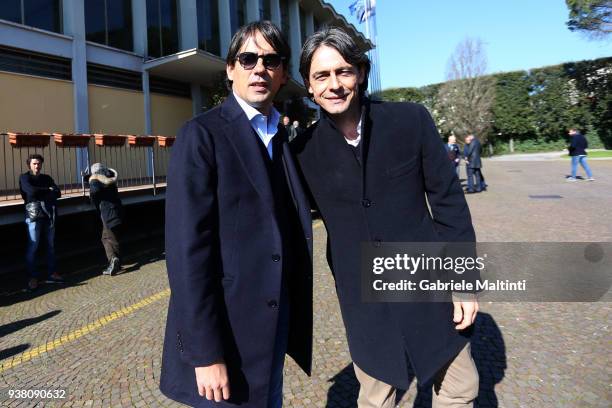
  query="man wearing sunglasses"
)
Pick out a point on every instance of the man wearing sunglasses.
point(238, 241)
point(379, 172)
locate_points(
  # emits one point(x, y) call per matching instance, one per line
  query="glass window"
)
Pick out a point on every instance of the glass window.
point(162, 27)
point(119, 24)
point(11, 11)
point(43, 14)
point(264, 10)
point(109, 22)
point(95, 21)
point(237, 9)
point(208, 26)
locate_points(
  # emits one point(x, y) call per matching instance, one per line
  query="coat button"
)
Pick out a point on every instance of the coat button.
point(366, 203)
point(276, 257)
point(273, 304)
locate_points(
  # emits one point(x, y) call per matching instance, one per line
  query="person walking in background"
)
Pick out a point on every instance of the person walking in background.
point(578, 154)
point(40, 194)
point(454, 153)
point(104, 196)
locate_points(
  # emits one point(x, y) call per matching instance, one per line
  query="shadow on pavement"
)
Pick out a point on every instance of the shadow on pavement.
point(344, 389)
point(20, 324)
point(11, 351)
point(78, 269)
point(489, 353)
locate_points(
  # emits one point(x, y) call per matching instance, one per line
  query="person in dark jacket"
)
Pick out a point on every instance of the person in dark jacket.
point(473, 165)
point(40, 194)
point(104, 196)
point(372, 169)
point(577, 151)
point(454, 153)
point(238, 241)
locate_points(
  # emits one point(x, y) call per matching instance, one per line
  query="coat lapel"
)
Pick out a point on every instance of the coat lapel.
point(244, 140)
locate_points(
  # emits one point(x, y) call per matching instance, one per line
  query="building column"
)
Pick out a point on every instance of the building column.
point(188, 24)
point(139, 23)
point(275, 13)
point(295, 38)
point(147, 102)
point(148, 122)
point(252, 10)
point(225, 27)
point(309, 23)
point(74, 25)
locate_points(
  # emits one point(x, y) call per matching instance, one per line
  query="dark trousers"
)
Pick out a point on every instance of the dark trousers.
point(110, 241)
point(474, 174)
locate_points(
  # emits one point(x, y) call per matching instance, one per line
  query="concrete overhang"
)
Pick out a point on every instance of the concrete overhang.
point(201, 67)
point(194, 66)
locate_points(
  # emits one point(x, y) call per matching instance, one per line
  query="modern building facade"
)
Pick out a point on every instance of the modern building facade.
point(133, 66)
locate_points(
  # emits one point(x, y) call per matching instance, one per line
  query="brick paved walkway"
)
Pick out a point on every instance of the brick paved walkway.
point(101, 337)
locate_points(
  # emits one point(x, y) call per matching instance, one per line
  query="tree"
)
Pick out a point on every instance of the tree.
point(465, 101)
point(591, 17)
point(402, 95)
point(556, 102)
point(512, 111)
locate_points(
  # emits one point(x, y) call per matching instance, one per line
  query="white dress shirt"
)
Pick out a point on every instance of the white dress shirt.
point(265, 127)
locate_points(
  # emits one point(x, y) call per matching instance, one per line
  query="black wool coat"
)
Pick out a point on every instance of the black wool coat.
point(223, 246)
point(406, 166)
point(473, 153)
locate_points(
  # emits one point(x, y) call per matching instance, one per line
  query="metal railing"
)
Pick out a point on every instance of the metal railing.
point(140, 161)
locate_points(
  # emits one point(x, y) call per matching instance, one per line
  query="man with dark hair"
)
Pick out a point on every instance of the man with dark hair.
point(39, 193)
point(373, 168)
point(577, 151)
point(238, 241)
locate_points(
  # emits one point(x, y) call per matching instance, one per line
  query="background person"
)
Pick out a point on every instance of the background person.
point(40, 194)
point(578, 154)
point(105, 197)
point(454, 153)
point(473, 163)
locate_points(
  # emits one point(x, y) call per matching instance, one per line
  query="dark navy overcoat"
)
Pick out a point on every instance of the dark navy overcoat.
point(406, 167)
point(223, 247)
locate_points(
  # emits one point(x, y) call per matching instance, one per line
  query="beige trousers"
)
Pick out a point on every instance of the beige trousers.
point(455, 386)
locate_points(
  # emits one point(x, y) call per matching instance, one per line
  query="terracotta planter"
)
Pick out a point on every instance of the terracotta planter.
point(136, 141)
point(165, 141)
point(109, 140)
point(28, 139)
point(71, 140)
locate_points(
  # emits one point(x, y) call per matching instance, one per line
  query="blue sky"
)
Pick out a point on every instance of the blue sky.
point(416, 37)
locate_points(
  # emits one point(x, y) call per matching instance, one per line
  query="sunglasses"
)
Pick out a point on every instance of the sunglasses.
point(248, 60)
